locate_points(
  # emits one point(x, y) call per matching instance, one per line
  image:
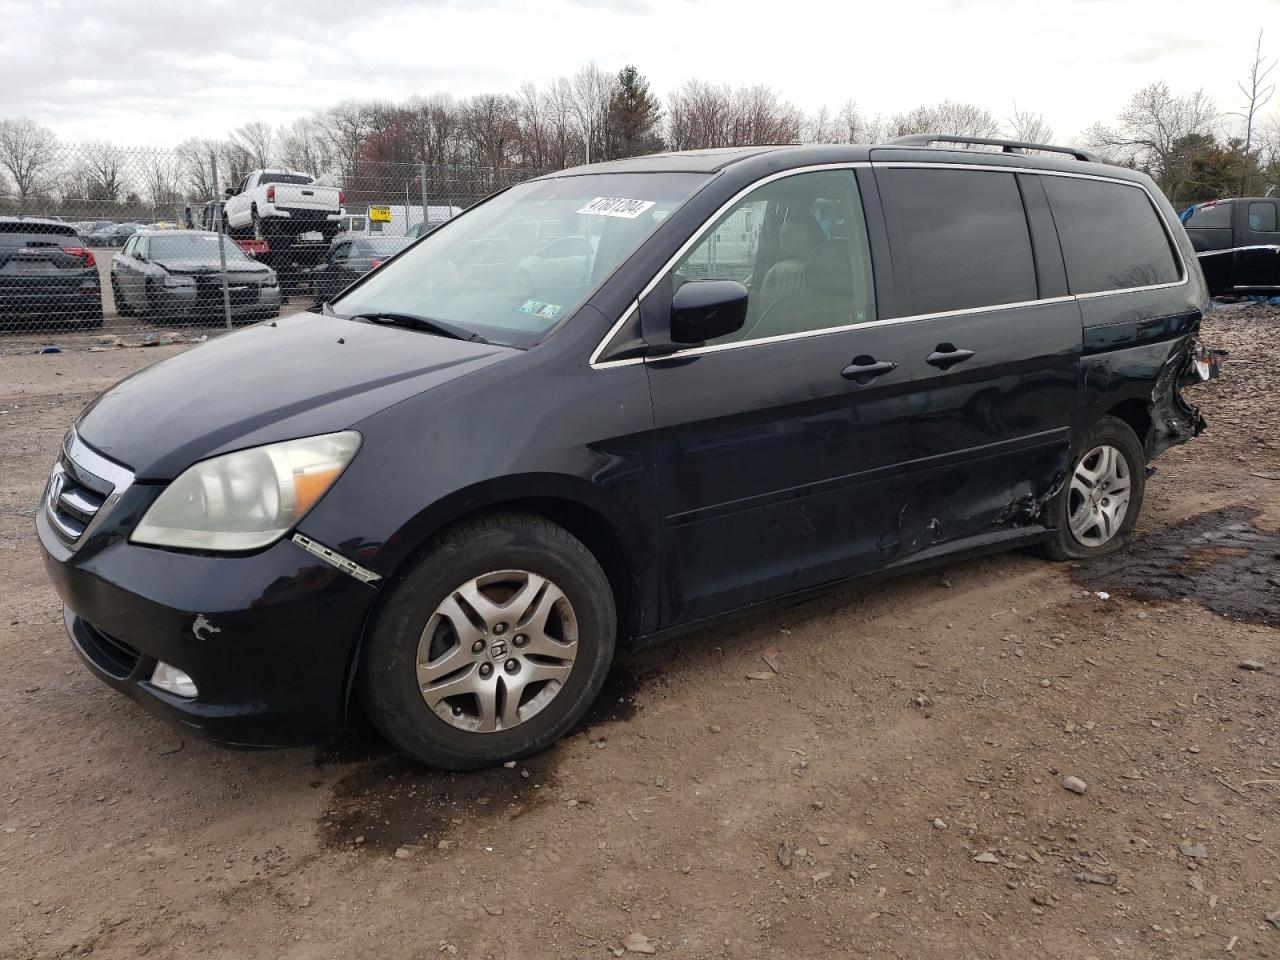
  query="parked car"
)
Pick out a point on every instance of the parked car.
point(350, 258)
point(165, 275)
point(559, 263)
point(1237, 243)
point(453, 503)
point(47, 273)
point(113, 234)
point(267, 203)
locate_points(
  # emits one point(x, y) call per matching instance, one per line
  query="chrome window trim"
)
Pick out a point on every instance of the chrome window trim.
point(1253, 246)
point(688, 244)
point(1183, 269)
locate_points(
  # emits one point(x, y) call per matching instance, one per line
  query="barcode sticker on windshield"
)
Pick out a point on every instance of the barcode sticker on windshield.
point(616, 207)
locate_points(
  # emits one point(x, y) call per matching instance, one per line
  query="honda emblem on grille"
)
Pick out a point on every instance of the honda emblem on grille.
point(498, 649)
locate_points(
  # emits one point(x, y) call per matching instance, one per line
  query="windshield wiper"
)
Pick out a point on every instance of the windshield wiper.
point(426, 324)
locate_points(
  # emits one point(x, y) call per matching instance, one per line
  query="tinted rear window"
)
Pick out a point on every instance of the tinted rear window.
point(966, 236)
point(283, 178)
point(1111, 235)
point(1210, 215)
point(11, 229)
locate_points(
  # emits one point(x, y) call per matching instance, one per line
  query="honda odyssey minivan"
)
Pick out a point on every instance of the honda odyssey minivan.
point(448, 498)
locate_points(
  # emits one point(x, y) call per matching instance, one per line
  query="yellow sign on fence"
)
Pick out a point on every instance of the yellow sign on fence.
point(380, 214)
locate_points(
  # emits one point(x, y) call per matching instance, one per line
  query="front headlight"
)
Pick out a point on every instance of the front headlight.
point(177, 281)
point(247, 499)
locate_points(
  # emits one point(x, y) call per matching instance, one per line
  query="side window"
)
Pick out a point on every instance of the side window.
point(966, 239)
point(140, 247)
point(1214, 214)
point(1262, 217)
point(340, 251)
point(1112, 238)
point(799, 244)
point(127, 250)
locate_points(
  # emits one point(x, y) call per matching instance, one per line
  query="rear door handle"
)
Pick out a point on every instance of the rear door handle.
point(946, 355)
point(864, 369)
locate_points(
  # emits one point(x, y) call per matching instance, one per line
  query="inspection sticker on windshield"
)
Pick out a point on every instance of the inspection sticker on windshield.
point(536, 308)
point(616, 207)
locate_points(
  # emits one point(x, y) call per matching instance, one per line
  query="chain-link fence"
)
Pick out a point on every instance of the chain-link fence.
point(101, 240)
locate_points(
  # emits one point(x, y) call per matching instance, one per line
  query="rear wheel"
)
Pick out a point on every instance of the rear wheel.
point(491, 645)
point(1099, 504)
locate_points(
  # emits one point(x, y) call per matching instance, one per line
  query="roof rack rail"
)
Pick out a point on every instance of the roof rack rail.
point(1007, 146)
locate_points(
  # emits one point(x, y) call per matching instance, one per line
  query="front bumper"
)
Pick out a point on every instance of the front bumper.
point(268, 638)
point(247, 300)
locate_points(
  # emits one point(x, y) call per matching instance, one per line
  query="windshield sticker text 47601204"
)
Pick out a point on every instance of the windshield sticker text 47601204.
point(616, 207)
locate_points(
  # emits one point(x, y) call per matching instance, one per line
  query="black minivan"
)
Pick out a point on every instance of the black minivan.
point(770, 370)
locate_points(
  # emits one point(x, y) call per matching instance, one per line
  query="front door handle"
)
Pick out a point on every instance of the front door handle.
point(947, 355)
point(864, 369)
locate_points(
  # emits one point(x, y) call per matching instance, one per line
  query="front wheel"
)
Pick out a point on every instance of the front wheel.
point(1101, 498)
point(491, 646)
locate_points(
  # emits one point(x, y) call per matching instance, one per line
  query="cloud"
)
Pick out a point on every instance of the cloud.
point(156, 71)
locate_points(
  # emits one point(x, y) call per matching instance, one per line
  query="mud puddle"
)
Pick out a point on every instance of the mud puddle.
point(389, 802)
point(1221, 560)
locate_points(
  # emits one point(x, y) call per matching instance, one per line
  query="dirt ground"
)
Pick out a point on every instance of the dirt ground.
point(893, 790)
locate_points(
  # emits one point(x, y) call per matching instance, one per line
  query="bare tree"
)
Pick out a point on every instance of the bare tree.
point(1154, 131)
point(303, 146)
point(195, 157)
point(592, 91)
point(28, 155)
point(257, 140)
point(1257, 91)
point(948, 117)
point(1027, 126)
point(103, 175)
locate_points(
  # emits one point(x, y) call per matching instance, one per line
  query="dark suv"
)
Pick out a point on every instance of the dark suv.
point(1237, 243)
point(47, 273)
point(779, 368)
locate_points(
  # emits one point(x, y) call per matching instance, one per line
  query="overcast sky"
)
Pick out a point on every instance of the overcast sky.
point(156, 71)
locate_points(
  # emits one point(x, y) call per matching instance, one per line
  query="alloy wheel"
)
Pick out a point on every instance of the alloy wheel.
point(497, 650)
point(1098, 498)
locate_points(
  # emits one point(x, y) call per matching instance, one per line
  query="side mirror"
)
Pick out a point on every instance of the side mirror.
point(229, 192)
point(703, 310)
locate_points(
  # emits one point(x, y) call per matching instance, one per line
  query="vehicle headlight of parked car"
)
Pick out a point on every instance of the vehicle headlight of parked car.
point(179, 281)
point(247, 499)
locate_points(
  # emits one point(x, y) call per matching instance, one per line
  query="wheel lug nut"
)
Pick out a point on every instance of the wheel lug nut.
point(521, 639)
point(486, 669)
point(477, 647)
point(499, 628)
point(512, 665)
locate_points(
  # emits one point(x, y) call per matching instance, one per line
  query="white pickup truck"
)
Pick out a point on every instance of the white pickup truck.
point(269, 203)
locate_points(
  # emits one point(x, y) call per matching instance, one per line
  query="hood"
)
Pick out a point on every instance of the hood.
point(294, 377)
point(211, 265)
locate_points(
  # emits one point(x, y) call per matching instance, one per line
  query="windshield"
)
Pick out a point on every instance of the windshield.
point(191, 246)
point(514, 267)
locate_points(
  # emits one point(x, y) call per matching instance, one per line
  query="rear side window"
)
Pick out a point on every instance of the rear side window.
point(1111, 235)
point(1262, 217)
point(966, 238)
point(1211, 216)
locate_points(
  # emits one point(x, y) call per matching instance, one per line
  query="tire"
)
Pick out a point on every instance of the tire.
point(122, 305)
point(388, 680)
point(1103, 537)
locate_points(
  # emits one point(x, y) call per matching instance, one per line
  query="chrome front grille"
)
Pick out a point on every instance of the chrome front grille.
point(83, 486)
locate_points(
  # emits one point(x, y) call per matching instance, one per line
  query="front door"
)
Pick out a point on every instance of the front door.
point(778, 446)
point(1257, 255)
point(994, 347)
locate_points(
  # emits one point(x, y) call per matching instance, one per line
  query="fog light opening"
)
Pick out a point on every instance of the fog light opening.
point(172, 680)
